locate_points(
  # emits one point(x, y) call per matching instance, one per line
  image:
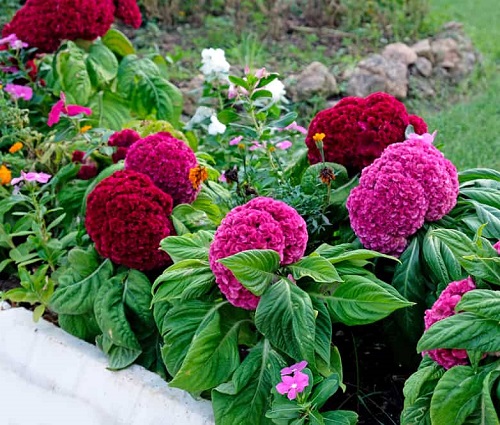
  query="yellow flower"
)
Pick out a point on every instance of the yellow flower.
point(197, 176)
point(5, 175)
point(241, 146)
point(85, 128)
point(16, 147)
point(318, 137)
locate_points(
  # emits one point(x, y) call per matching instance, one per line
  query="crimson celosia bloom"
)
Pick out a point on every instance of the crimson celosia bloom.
point(445, 307)
point(45, 23)
point(357, 130)
point(88, 169)
point(410, 183)
point(127, 217)
point(262, 223)
point(167, 161)
point(122, 139)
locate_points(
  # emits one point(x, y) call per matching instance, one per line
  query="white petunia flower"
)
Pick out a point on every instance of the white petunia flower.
point(214, 64)
point(216, 127)
point(277, 89)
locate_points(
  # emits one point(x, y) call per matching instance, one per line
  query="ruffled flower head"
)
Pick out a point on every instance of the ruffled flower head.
point(357, 130)
point(410, 183)
point(127, 217)
point(122, 140)
point(445, 307)
point(262, 223)
point(168, 162)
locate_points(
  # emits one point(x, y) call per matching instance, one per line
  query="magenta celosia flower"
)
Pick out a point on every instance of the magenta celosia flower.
point(31, 177)
point(124, 138)
point(497, 247)
point(19, 92)
point(297, 367)
point(410, 183)
point(445, 307)
point(293, 385)
point(60, 107)
point(262, 223)
point(167, 161)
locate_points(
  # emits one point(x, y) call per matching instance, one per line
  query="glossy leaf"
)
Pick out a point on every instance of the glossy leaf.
point(317, 268)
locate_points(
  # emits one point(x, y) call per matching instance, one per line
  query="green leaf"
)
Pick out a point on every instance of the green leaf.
point(254, 268)
point(102, 65)
point(245, 399)
point(464, 330)
point(78, 297)
point(489, 413)
point(315, 418)
point(283, 409)
point(73, 74)
point(491, 216)
point(441, 261)
point(38, 312)
point(185, 279)
point(483, 195)
point(478, 174)
point(117, 42)
point(340, 417)
point(360, 300)
point(83, 326)
point(359, 254)
point(482, 302)
point(191, 246)
point(315, 267)
point(323, 336)
point(261, 93)
point(285, 316)
point(109, 110)
point(239, 82)
point(137, 298)
point(324, 390)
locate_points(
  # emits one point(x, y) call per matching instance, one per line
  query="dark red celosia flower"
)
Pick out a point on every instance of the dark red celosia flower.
point(77, 156)
point(32, 69)
point(45, 23)
point(127, 217)
point(357, 130)
point(419, 125)
point(124, 138)
point(87, 172)
point(120, 154)
point(167, 161)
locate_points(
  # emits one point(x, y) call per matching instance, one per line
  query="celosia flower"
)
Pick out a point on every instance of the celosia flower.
point(45, 23)
point(262, 223)
point(214, 64)
point(122, 140)
point(197, 176)
point(19, 92)
point(297, 367)
point(445, 307)
point(215, 127)
point(60, 107)
point(31, 177)
point(410, 183)
point(88, 170)
point(127, 217)
point(359, 129)
point(5, 175)
point(167, 161)
point(16, 147)
point(293, 385)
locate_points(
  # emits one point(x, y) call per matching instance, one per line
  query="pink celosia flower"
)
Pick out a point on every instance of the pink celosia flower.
point(19, 92)
point(31, 177)
point(284, 145)
point(297, 367)
point(293, 385)
point(296, 127)
point(445, 307)
point(497, 247)
point(60, 107)
point(235, 141)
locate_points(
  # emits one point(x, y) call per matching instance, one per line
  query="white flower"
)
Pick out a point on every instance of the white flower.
point(200, 115)
point(216, 127)
point(214, 64)
point(277, 89)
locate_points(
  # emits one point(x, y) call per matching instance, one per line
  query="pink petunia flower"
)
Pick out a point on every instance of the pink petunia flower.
point(223, 178)
point(293, 385)
point(261, 73)
point(296, 127)
point(297, 367)
point(235, 141)
point(60, 107)
point(19, 92)
point(284, 145)
point(13, 41)
point(256, 145)
point(31, 177)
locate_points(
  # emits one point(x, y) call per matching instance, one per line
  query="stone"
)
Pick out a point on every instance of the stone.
point(424, 66)
point(446, 52)
point(420, 87)
point(191, 92)
point(377, 73)
point(400, 52)
point(314, 80)
point(423, 49)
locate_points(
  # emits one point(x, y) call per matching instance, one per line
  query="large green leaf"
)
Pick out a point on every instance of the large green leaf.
point(315, 267)
point(109, 110)
point(254, 268)
point(464, 330)
point(360, 300)
point(137, 298)
point(323, 336)
point(245, 399)
point(79, 296)
point(483, 195)
point(102, 64)
point(191, 246)
point(324, 390)
point(482, 302)
point(285, 316)
point(83, 326)
point(442, 263)
point(117, 42)
point(340, 417)
point(73, 75)
point(491, 217)
point(478, 174)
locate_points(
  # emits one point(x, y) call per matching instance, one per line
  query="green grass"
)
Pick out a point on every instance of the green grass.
point(470, 130)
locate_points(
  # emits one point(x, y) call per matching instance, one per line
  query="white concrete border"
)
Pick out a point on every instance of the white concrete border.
point(48, 377)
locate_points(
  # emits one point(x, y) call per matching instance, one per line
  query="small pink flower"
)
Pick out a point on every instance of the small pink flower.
point(293, 385)
point(295, 126)
point(247, 70)
point(60, 107)
point(31, 177)
point(223, 178)
point(497, 247)
point(426, 137)
point(284, 145)
point(260, 73)
point(10, 69)
point(232, 91)
point(13, 41)
point(255, 145)
point(297, 367)
point(235, 141)
point(19, 92)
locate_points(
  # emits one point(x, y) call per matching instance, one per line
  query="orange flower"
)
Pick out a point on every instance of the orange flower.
point(197, 176)
point(85, 128)
point(16, 147)
point(318, 137)
point(5, 175)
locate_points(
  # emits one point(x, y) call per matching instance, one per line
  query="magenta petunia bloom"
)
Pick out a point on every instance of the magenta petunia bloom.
point(293, 385)
point(19, 92)
point(31, 177)
point(60, 107)
point(410, 183)
point(284, 145)
point(297, 367)
point(445, 307)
